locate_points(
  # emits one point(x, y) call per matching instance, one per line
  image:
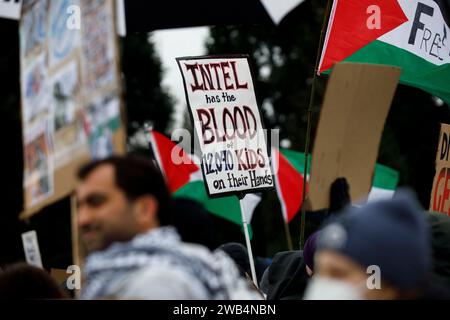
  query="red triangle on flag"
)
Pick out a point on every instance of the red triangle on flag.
point(176, 165)
point(351, 27)
point(289, 183)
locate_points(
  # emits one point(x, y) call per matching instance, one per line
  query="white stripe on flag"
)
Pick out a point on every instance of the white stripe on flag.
point(380, 194)
point(277, 9)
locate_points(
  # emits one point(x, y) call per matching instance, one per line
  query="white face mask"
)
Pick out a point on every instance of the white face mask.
point(325, 288)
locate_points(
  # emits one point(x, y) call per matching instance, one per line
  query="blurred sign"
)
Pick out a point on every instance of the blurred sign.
point(70, 94)
point(440, 193)
point(222, 102)
point(31, 248)
point(10, 9)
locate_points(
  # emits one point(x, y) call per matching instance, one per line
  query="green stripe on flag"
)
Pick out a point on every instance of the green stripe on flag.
point(385, 178)
point(416, 71)
point(297, 160)
point(227, 208)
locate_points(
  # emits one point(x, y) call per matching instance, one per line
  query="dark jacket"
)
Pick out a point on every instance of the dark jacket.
point(287, 277)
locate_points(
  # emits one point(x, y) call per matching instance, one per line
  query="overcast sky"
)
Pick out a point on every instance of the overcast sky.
point(178, 43)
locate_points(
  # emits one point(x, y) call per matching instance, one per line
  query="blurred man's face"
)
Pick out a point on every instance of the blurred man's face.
point(104, 213)
point(333, 265)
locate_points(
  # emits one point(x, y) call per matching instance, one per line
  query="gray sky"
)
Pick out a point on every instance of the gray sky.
point(178, 43)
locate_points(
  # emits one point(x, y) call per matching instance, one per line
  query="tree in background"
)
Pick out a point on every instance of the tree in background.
point(147, 101)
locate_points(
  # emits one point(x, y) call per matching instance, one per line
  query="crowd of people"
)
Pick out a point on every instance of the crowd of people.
point(142, 244)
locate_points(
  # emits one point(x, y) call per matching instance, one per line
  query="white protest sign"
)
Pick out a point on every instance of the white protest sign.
point(10, 9)
point(31, 248)
point(222, 103)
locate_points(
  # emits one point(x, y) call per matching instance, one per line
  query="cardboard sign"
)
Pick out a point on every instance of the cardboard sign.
point(222, 103)
point(440, 193)
point(10, 9)
point(71, 94)
point(31, 248)
point(352, 118)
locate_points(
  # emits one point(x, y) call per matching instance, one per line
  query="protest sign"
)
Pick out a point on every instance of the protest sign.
point(223, 107)
point(222, 102)
point(351, 123)
point(71, 94)
point(440, 192)
point(31, 248)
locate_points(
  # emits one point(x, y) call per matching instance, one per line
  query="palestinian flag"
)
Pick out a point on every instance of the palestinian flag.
point(289, 181)
point(385, 183)
point(185, 180)
point(289, 178)
point(176, 166)
point(411, 34)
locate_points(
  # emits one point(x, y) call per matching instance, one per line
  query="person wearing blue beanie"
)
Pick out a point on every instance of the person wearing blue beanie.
point(381, 250)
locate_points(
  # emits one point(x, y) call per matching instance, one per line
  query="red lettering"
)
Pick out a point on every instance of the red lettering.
point(261, 161)
point(226, 113)
point(437, 206)
point(446, 192)
point(192, 67)
point(216, 66)
point(240, 125)
point(241, 164)
point(205, 120)
point(226, 76)
point(238, 85)
point(248, 112)
point(206, 76)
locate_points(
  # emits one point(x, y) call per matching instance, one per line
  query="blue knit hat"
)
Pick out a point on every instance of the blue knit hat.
point(392, 234)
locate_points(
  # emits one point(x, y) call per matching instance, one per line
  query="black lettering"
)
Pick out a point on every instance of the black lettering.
point(424, 39)
point(436, 44)
point(444, 147)
point(421, 8)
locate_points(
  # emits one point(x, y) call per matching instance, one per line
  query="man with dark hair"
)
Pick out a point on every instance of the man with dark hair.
point(124, 216)
point(120, 197)
point(21, 281)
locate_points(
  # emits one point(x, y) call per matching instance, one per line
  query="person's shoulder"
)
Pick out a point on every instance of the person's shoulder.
point(160, 283)
point(287, 256)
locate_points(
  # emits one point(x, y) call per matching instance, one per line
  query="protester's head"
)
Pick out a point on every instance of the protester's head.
point(22, 281)
point(308, 252)
point(239, 254)
point(440, 238)
point(118, 198)
point(378, 251)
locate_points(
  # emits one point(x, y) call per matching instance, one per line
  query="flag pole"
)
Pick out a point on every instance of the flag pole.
point(309, 117)
point(247, 240)
point(288, 236)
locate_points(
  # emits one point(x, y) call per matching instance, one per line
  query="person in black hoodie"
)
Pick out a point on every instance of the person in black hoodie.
point(288, 275)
